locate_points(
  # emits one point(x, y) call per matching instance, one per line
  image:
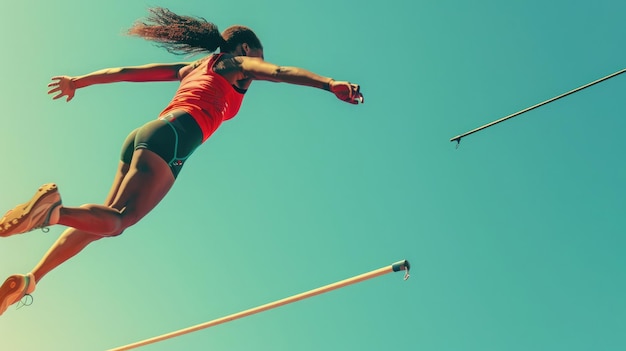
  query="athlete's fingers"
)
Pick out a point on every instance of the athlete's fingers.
point(348, 92)
point(353, 91)
point(52, 91)
point(361, 98)
point(60, 95)
point(355, 95)
point(351, 100)
point(359, 95)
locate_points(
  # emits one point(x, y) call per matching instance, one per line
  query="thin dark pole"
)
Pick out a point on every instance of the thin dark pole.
point(459, 137)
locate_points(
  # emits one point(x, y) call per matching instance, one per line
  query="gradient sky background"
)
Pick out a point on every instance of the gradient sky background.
point(516, 238)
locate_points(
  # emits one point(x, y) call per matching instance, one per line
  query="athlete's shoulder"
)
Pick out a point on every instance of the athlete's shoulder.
point(184, 71)
point(227, 63)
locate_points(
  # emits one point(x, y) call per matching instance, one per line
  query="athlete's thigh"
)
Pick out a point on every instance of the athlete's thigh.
point(145, 184)
point(122, 167)
point(122, 170)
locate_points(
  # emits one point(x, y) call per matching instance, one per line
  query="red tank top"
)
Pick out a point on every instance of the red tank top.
point(207, 96)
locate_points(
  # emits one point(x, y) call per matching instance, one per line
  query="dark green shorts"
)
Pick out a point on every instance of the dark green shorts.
point(173, 137)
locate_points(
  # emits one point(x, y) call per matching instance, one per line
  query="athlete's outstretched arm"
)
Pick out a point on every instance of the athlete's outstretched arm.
point(66, 85)
point(258, 69)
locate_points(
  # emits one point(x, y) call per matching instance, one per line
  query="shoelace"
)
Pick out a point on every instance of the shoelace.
point(26, 301)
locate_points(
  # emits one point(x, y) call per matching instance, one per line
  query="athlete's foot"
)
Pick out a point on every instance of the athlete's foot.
point(14, 289)
point(41, 211)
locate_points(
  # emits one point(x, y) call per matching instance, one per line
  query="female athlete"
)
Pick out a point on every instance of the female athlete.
point(211, 91)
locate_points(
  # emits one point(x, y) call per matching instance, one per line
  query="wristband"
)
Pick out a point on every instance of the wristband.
point(326, 85)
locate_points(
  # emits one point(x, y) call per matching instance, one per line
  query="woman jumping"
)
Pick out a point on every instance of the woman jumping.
point(211, 91)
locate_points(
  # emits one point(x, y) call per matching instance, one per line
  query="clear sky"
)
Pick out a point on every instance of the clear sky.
point(516, 238)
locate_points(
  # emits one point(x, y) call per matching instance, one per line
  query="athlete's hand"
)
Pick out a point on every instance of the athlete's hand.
point(64, 86)
point(347, 92)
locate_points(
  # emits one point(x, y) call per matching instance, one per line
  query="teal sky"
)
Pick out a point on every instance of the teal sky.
point(516, 238)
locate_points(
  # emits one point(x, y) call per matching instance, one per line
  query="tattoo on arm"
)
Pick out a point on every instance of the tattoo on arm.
point(280, 70)
point(227, 65)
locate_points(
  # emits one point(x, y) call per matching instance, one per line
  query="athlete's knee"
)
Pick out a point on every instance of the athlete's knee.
point(129, 219)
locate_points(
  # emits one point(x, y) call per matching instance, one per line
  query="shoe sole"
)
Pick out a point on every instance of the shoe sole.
point(35, 213)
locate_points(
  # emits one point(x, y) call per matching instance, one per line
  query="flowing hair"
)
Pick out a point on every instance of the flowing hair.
point(186, 35)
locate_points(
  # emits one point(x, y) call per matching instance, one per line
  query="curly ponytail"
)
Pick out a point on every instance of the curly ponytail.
point(179, 35)
point(184, 35)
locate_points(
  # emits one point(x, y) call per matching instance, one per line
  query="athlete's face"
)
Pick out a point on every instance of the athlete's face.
point(255, 53)
point(246, 50)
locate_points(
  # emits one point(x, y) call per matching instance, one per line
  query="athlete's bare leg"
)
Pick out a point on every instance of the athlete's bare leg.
point(136, 190)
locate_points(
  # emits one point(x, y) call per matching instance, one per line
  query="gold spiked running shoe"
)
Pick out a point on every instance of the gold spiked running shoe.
point(41, 211)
